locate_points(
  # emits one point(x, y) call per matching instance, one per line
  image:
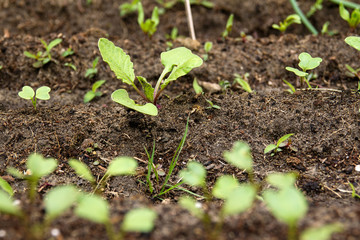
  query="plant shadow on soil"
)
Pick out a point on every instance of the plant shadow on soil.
point(325, 123)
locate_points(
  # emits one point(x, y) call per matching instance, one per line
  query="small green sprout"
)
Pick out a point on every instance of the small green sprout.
point(207, 48)
point(91, 72)
point(128, 8)
point(148, 26)
point(41, 93)
point(229, 26)
point(204, 3)
point(90, 95)
point(177, 62)
point(67, 52)
point(317, 6)
point(284, 141)
point(70, 65)
point(325, 29)
point(171, 37)
point(354, 42)
point(199, 91)
point(291, 19)
point(243, 82)
point(291, 89)
point(43, 58)
point(353, 193)
point(306, 63)
point(352, 20)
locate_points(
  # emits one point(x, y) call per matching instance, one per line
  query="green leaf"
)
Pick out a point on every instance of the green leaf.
point(283, 139)
point(239, 200)
point(307, 62)
point(244, 84)
point(321, 233)
point(122, 97)
point(288, 205)
point(122, 166)
point(118, 61)
point(292, 88)
point(281, 180)
point(240, 156)
point(192, 206)
point(139, 220)
point(40, 166)
point(43, 93)
point(269, 148)
point(6, 186)
point(197, 88)
point(53, 43)
point(147, 88)
point(225, 186)
point(7, 205)
point(208, 46)
point(194, 174)
point(354, 42)
point(89, 96)
point(93, 208)
point(141, 15)
point(82, 170)
point(355, 18)
point(229, 25)
point(30, 55)
point(59, 199)
point(27, 92)
point(91, 72)
point(179, 62)
point(344, 14)
point(297, 71)
point(97, 84)
point(16, 173)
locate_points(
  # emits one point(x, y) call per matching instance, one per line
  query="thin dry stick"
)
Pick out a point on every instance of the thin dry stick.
point(190, 20)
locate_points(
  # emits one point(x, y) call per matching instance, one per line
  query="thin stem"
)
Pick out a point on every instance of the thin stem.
point(140, 93)
point(304, 20)
point(110, 231)
point(100, 182)
point(292, 232)
point(159, 81)
point(33, 100)
point(190, 20)
point(346, 3)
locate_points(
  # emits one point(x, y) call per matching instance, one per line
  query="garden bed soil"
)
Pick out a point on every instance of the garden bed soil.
point(325, 121)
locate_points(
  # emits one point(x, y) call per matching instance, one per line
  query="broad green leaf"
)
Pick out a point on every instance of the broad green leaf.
point(122, 97)
point(139, 220)
point(16, 173)
point(122, 166)
point(239, 200)
point(147, 88)
point(40, 166)
point(89, 96)
point(288, 205)
point(53, 43)
point(7, 205)
point(179, 62)
point(194, 174)
point(225, 186)
point(281, 180)
point(269, 148)
point(307, 62)
point(321, 233)
point(297, 71)
point(59, 199)
point(354, 42)
point(240, 156)
point(192, 206)
point(118, 61)
point(6, 186)
point(82, 170)
point(283, 139)
point(97, 84)
point(344, 14)
point(197, 88)
point(27, 92)
point(93, 208)
point(43, 93)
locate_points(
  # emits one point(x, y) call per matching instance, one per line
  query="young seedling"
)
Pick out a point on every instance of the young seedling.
point(199, 91)
point(207, 48)
point(91, 72)
point(148, 26)
point(41, 93)
point(128, 8)
point(203, 3)
point(291, 89)
point(90, 95)
point(353, 193)
point(284, 141)
point(70, 65)
point(229, 26)
point(306, 63)
point(317, 6)
point(353, 19)
point(354, 42)
point(289, 20)
point(67, 52)
point(177, 62)
point(171, 37)
point(43, 58)
point(243, 82)
point(325, 29)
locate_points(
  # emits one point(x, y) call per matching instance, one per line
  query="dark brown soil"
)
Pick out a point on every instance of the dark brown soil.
point(325, 121)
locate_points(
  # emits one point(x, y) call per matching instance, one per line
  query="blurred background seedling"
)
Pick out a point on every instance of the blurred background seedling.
point(207, 48)
point(289, 20)
point(128, 8)
point(283, 142)
point(199, 91)
point(91, 72)
point(42, 93)
point(43, 58)
point(148, 26)
point(228, 27)
point(243, 82)
point(353, 20)
point(317, 6)
point(90, 95)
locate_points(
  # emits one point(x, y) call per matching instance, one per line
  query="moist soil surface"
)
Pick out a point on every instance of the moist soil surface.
point(325, 120)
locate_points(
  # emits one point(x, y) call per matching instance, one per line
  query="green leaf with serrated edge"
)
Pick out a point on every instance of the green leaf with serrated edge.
point(192, 206)
point(118, 61)
point(194, 174)
point(43, 93)
point(6, 186)
point(269, 148)
point(40, 166)
point(53, 43)
point(197, 88)
point(89, 96)
point(139, 220)
point(179, 62)
point(239, 200)
point(122, 97)
point(281, 180)
point(82, 170)
point(321, 233)
point(297, 71)
point(7, 205)
point(240, 156)
point(224, 186)
point(27, 92)
point(147, 88)
point(97, 84)
point(283, 139)
point(59, 199)
point(122, 166)
point(93, 208)
point(344, 14)
point(354, 42)
point(16, 173)
point(307, 62)
point(288, 205)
